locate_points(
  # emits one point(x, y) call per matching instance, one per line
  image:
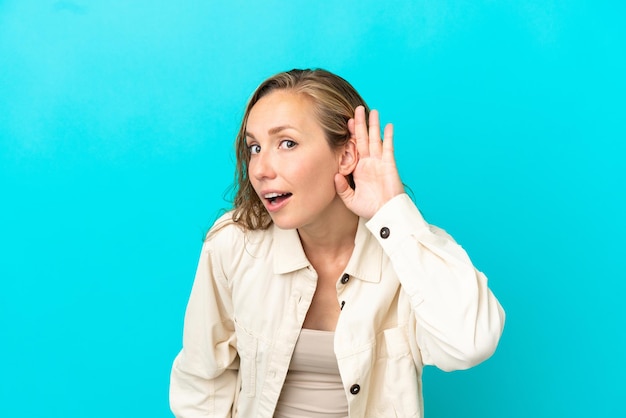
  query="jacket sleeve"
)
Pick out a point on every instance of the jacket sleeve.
point(458, 319)
point(203, 380)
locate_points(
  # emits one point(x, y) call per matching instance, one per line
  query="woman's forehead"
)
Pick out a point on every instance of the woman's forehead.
point(280, 110)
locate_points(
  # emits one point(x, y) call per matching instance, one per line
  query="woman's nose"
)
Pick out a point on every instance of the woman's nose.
point(261, 166)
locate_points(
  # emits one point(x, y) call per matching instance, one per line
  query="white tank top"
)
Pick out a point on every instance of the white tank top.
point(313, 387)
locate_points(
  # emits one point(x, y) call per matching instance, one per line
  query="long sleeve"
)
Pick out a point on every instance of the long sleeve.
point(204, 375)
point(458, 321)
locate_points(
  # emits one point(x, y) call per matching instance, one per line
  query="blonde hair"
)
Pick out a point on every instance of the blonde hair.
point(334, 101)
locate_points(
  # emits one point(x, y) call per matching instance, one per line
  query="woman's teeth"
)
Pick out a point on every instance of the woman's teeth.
point(273, 196)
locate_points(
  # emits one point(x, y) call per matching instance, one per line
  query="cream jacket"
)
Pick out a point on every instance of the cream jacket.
point(410, 297)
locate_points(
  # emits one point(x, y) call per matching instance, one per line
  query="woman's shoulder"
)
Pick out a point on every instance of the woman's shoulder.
point(225, 227)
point(226, 231)
point(235, 248)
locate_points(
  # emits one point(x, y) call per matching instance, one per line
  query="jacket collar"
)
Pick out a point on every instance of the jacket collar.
point(364, 264)
point(288, 252)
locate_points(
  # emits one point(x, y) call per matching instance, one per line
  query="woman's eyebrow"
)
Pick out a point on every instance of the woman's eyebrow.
point(280, 128)
point(272, 131)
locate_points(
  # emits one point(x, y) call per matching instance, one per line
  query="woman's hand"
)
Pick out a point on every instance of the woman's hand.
point(376, 177)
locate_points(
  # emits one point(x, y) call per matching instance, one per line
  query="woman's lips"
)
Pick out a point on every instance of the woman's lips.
point(275, 201)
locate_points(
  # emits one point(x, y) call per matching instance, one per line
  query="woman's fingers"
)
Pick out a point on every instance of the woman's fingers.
point(388, 143)
point(360, 132)
point(375, 175)
point(351, 128)
point(374, 135)
point(368, 139)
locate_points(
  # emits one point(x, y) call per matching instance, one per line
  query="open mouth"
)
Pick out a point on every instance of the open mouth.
point(276, 198)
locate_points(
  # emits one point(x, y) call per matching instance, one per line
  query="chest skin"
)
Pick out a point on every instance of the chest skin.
point(324, 310)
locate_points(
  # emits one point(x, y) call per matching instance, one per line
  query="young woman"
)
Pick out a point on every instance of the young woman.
point(324, 292)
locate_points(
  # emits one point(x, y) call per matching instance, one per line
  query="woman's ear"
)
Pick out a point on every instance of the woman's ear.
point(348, 158)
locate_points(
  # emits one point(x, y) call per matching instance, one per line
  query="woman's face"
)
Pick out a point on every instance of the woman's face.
point(292, 166)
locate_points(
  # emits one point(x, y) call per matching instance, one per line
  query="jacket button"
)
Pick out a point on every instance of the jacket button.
point(345, 278)
point(354, 389)
point(384, 232)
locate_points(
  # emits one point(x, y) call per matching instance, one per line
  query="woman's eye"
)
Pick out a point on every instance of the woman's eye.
point(287, 143)
point(254, 148)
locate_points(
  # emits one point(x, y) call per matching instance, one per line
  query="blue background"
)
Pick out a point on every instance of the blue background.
point(116, 127)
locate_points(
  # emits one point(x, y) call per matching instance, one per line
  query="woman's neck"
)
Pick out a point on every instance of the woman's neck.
point(332, 237)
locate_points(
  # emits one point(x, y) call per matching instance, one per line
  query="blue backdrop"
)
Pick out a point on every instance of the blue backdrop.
point(116, 128)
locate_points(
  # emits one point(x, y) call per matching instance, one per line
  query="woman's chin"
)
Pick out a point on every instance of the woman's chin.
point(282, 223)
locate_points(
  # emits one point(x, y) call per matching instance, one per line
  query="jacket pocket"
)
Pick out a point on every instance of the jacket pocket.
point(247, 350)
point(395, 379)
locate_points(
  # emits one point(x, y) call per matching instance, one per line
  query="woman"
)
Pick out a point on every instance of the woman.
point(324, 292)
